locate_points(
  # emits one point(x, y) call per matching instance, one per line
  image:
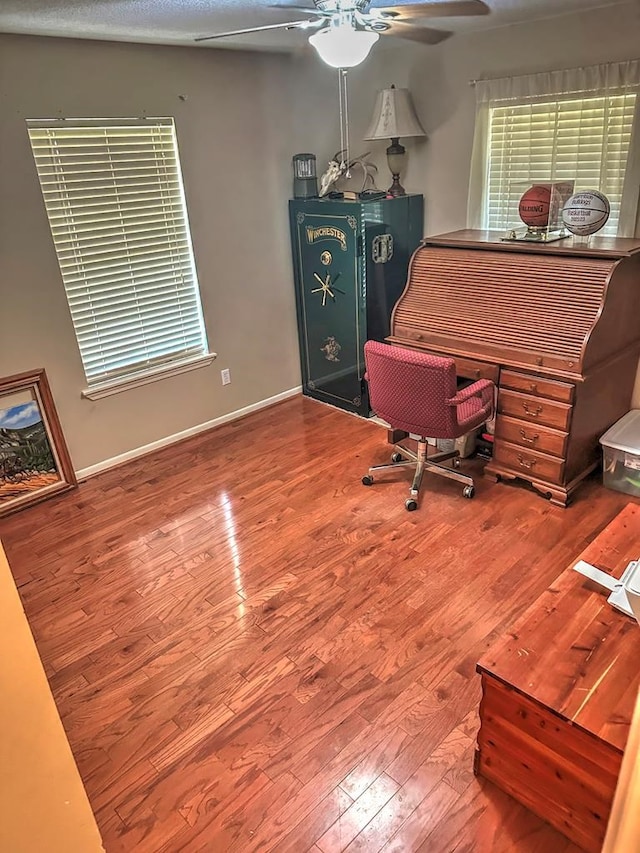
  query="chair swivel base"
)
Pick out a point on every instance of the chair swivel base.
point(402, 457)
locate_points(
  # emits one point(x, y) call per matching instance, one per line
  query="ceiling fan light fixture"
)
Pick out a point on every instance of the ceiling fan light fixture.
point(343, 46)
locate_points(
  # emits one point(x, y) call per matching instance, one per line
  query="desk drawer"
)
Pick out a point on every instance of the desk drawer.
point(532, 436)
point(530, 384)
point(529, 463)
point(468, 368)
point(534, 409)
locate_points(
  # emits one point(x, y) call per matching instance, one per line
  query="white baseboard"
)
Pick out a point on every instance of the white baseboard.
point(92, 470)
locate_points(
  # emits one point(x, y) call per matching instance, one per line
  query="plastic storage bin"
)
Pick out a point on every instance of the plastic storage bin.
point(621, 452)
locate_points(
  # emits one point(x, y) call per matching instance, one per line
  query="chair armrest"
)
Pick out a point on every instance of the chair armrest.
point(482, 388)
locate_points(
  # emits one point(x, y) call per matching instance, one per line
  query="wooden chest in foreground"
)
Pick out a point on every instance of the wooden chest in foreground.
point(558, 695)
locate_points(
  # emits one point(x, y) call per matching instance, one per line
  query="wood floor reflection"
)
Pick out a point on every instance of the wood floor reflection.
point(251, 652)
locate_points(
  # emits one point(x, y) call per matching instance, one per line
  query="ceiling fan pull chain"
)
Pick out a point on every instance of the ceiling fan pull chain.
point(343, 72)
point(341, 112)
point(344, 121)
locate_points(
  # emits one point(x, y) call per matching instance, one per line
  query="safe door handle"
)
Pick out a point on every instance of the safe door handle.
point(526, 463)
point(532, 412)
point(529, 439)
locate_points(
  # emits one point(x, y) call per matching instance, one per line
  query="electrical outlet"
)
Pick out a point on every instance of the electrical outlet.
point(226, 376)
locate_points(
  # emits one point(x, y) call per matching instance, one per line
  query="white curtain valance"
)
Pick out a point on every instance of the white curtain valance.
point(592, 78)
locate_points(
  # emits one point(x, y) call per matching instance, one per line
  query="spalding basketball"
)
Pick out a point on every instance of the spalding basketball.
point(535, 205)
point(586, 212)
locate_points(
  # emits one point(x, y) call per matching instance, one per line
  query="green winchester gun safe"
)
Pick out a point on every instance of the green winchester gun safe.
point(350, 261)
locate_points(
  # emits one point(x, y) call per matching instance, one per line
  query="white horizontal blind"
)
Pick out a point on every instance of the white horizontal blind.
point(585, 139)
point(114, 197)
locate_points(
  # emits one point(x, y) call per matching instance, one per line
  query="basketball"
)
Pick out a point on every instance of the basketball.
point(535, 205)
point(585, 212)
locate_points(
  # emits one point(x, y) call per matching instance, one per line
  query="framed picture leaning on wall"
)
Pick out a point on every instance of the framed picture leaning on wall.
point(34, 460)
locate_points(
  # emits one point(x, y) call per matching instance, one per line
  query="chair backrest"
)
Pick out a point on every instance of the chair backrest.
point(410, 389)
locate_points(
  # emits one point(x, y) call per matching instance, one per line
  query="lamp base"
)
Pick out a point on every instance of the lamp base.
point(396, 189)
point(395, 160)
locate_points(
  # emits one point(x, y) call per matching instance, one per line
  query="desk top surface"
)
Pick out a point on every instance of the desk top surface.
point(596, 246)
point(571, 651)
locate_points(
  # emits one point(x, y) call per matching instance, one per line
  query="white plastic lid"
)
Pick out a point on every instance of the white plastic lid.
point(632, 587)
point(625, 434)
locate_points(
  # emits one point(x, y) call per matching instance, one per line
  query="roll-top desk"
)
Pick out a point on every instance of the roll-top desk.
point(556, 326)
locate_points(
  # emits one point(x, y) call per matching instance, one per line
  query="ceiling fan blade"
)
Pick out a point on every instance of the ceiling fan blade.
point(289, 25)
point(425, 35)
point(446, 9)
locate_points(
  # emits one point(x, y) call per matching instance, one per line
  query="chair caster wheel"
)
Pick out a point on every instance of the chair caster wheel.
point(411, 504)
point(396, 457)
point(468, 492)
point(367, 480)
point(456, 463)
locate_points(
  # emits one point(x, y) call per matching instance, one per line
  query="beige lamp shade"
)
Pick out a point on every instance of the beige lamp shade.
point(394, 116)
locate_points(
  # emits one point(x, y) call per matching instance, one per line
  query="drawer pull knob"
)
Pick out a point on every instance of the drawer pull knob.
point(477, 374)
point(533, 388)
point(532, 412)
point(529, 439)
point(526, 463)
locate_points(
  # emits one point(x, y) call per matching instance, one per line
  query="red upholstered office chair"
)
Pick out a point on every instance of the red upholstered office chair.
point(417, 393)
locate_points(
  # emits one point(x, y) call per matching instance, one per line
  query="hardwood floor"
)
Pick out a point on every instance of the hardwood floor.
point(250, 651)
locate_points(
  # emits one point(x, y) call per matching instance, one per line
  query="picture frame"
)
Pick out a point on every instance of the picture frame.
point(34, 460)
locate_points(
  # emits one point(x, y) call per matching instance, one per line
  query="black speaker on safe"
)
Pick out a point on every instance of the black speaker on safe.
point(350, 261)
point(305, 182)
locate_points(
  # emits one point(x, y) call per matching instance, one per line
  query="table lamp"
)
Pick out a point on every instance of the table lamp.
point(394, 116)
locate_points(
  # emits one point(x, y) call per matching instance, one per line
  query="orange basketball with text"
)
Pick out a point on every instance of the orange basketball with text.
point(534, 207)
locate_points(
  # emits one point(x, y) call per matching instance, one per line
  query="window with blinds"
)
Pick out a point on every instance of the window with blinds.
point(582, 139)
point(115, 201)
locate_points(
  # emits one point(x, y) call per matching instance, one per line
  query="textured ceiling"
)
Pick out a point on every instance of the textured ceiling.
point(180, 21)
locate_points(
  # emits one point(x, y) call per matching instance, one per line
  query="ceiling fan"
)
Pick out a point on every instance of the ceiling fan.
point(346, 30)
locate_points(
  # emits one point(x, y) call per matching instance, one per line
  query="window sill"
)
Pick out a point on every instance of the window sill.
point(106, 389)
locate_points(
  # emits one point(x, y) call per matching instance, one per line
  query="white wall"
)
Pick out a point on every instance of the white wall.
point(233, 132)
